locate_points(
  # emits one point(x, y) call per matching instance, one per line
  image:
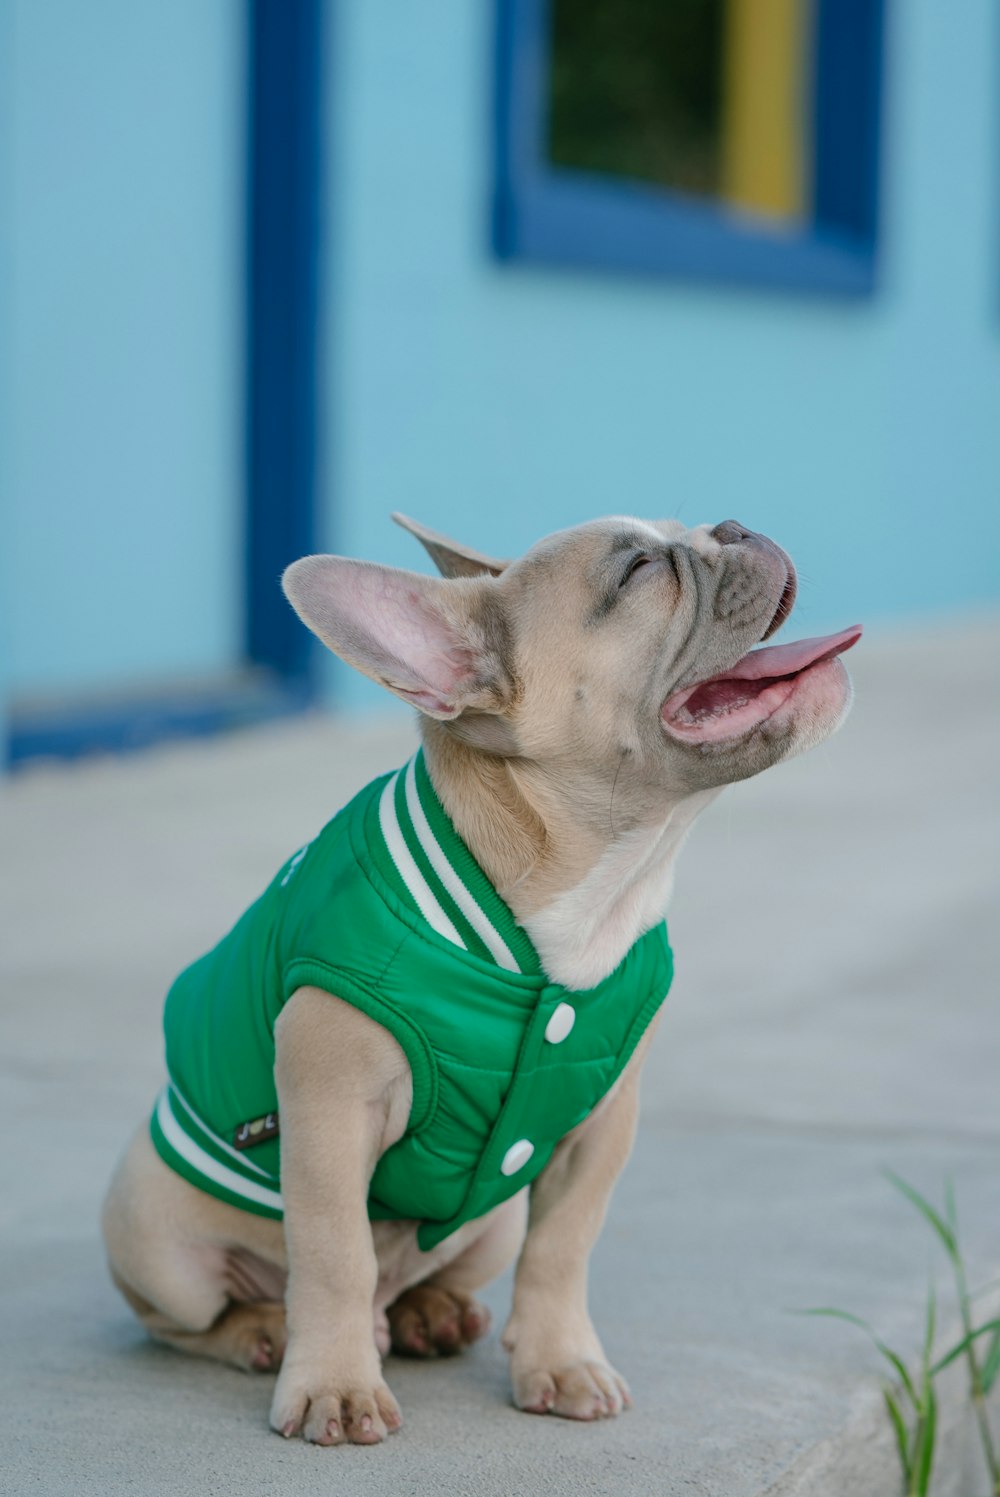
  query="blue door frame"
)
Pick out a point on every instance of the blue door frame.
point(286, 96)
point(285, 127)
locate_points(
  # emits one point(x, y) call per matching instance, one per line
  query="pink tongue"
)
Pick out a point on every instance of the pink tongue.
point(786, 660)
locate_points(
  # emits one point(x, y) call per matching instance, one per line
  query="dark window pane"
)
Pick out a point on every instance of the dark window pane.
point(636, 89)
point(708, 97)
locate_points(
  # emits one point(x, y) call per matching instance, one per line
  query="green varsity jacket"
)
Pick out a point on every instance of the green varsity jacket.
point(388, 910)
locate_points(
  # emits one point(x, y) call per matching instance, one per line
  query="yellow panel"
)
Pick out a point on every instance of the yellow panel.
point(763, 146)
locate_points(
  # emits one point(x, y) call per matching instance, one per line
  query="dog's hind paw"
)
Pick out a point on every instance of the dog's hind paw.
point(248, 1336)
point(427, 1321)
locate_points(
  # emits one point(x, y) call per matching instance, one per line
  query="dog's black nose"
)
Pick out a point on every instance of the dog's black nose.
point(729, 532)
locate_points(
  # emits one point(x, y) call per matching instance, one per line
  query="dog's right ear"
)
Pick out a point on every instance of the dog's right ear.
point(451, 559)
point(439, 645)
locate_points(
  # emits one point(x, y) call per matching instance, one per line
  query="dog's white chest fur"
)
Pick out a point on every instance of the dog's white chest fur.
point(586, 931)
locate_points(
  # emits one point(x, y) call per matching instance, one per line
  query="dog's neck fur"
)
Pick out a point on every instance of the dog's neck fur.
point(584, 888)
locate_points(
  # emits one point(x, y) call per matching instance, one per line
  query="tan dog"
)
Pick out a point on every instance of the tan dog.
point(580, 706)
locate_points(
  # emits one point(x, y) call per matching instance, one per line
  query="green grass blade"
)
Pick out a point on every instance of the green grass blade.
point(991, 1363)
point(899, 1367)
point(923, 1467)
point(894, 1360)
point(922, 1460)
point(837, 1315)
point(899, 1425)
point(926, 1210)
point(916, 1455)
point(950, 1209)
point(929, 1334)
point(965, 1343)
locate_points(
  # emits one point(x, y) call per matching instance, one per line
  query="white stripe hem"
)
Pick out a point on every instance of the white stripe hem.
point(220, 1143)
point(194, 1155)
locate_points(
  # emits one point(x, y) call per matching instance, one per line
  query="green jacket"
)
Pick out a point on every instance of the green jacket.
point(388, 910)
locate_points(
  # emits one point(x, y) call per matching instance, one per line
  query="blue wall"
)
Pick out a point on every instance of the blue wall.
point(122, 197)
point(499, 402)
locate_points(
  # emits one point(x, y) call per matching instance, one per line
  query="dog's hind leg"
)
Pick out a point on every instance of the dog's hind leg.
point(440, 1315)
point(200, 1275)
point(249, 1336)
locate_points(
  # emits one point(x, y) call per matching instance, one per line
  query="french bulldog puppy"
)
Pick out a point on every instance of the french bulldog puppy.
point(579, 707)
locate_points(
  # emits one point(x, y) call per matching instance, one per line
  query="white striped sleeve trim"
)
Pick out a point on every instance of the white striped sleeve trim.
point(407, 869)
point(220, 1143)
point(197, 1158)
point(469, 906)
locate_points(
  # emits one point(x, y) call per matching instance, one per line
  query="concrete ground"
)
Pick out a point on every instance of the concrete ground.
point(838, 937)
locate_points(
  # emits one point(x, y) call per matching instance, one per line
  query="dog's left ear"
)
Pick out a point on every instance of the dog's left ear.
point(441, 646)
point(451, 559)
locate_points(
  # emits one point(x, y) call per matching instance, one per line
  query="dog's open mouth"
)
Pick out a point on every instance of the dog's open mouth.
point(730, 704)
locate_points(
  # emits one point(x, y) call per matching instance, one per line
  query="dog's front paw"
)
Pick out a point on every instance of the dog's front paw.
point(582, 1389)
point(330, 1406)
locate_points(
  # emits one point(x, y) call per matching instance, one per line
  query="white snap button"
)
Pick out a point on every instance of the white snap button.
point(517, 1156)
point(561, 1022)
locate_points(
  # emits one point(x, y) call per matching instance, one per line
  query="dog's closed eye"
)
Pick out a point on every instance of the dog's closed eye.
point(635, 562)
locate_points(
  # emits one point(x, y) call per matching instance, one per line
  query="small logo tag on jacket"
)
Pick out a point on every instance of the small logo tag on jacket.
point(258, 1131)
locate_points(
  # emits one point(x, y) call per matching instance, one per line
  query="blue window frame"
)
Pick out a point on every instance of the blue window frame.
point(576, 218)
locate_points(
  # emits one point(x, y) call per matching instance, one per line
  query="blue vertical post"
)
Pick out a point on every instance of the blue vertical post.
point(284, 153)
point(847, 116)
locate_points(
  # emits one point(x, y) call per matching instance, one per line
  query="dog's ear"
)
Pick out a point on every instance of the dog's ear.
point(442, 646)
point(451, 559)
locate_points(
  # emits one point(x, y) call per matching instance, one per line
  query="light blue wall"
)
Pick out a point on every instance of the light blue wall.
point(122, 201)
point(499, 402)
point(496, 402)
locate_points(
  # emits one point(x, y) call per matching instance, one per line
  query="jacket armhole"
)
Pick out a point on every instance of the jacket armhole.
point(651, 1007)
point(311, 972)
